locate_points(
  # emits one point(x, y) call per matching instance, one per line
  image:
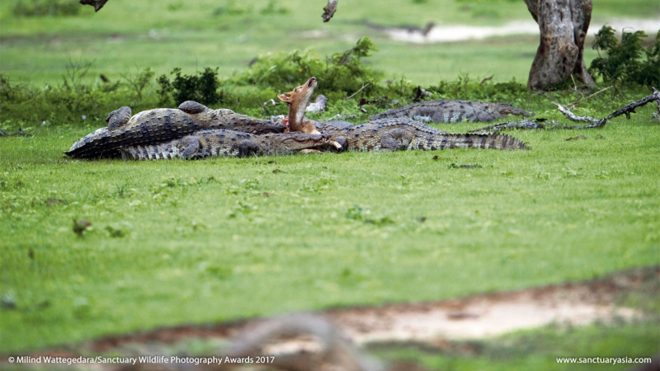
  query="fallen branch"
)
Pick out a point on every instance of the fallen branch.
point(329, 10)
point(631, 107)
point(593, 123)
point(573, 117)
point(97, 4)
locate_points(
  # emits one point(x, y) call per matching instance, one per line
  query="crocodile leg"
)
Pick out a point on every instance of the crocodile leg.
point(247, 148)
point(396, 140)
point(191, 147)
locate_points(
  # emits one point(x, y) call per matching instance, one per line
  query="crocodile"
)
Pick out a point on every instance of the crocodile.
point(406, 134)
point(379, 135)
point(163, 124)
point(452, 111)
point(221, 142)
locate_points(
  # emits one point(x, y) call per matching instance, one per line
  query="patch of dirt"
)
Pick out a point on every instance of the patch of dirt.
point(443, 33)
point(473, 317)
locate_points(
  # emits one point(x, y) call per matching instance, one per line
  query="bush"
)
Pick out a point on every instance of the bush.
point(75, 100)
point(202, 87)
point(340, 75)
point(626, 61)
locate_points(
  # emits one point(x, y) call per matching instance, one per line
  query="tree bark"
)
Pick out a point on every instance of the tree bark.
point(563, 25)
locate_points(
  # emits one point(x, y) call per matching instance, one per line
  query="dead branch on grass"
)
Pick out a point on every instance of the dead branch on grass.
point(592, 123)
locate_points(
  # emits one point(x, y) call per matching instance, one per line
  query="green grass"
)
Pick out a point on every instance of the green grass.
point(178, 242)
point(163, 35)
point(539, 349)
point(227, 238)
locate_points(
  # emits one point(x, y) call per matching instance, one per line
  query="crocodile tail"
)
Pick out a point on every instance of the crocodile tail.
point(493, 141)
point(103, 141)
point(162, 151)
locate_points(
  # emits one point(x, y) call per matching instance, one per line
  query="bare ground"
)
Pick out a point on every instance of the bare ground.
point(442, 33)
point(432, 323)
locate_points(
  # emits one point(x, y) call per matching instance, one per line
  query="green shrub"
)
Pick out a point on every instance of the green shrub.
point(626, 61)
point(468, 88)
point(202, 87)
point(340, 75)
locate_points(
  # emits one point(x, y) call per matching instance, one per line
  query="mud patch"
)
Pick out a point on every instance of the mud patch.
point(475, 317)
point(443, 33)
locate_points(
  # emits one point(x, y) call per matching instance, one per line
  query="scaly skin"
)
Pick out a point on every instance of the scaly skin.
point(163, 124)
point(452, 111)
point(219, 142)
point(405, 134)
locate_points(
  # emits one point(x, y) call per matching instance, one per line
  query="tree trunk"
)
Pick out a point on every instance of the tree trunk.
point(563, 25)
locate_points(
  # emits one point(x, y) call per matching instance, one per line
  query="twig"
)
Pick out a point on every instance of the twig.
point(631, 107)
point(592, 122)
point(329, 10)
point(573, 117)
point(485, 80)
point(572, 105)
point(625, 110)
point(359, 90)
point(575, 88)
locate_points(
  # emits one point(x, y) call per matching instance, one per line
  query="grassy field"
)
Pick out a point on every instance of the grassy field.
point(229, 34)
point(538, 350)
point(225, 238)
point(188, 242)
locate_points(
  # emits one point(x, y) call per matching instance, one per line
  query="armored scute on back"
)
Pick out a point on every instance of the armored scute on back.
point(405, 134)
point(161, 125)
point(452, 111)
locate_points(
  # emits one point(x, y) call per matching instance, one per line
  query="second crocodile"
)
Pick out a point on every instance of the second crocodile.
point(405, 134)
point(161, 125)
point(452, 111)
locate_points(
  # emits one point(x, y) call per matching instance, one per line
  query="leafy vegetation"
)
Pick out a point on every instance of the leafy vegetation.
point(340, 75)
point(202, 87)
point(626, 61)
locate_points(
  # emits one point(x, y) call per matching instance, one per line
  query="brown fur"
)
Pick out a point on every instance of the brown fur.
point(298, 99)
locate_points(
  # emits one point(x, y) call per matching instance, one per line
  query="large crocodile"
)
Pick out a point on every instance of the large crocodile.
point(220, 142)
point(406, 134)
point(452, 111)
point(383, 135)
point(161, 125)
